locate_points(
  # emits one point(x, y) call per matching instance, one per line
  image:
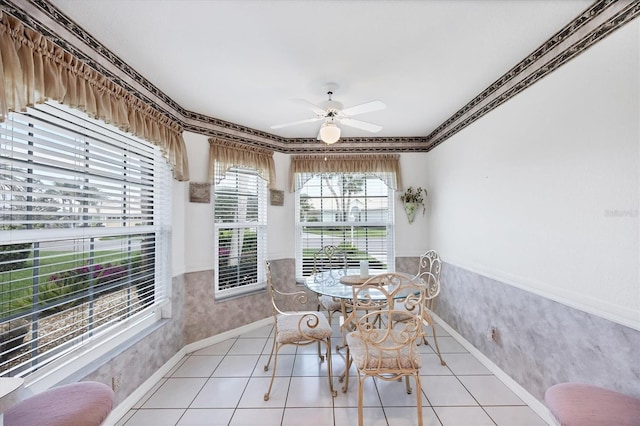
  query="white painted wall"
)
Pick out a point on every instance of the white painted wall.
point(281, 219)
point(198, 218)
point(193, 230)
point(180, 193)
point(542, 193)
point(412, 238)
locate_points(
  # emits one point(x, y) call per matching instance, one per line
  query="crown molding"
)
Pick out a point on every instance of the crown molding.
point(591, 26)
point(595, 23)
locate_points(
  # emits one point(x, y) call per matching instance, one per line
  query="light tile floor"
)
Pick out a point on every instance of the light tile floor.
point(224, 384)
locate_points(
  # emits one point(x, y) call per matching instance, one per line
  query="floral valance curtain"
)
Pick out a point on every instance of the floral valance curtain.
point(232, 154)
point(34, 70)
point(384, 166)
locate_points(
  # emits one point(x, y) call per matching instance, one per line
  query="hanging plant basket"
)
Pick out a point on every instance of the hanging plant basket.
point(413, 199)
point(411, 208)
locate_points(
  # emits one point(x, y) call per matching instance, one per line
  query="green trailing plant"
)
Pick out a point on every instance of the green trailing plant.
point(414, 195)
point(413, 198)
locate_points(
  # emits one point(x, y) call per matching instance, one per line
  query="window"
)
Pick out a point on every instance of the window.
point(240, 232)
point(84, 234)
point(353, 211)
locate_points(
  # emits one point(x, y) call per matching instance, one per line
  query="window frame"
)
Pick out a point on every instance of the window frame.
point(302, 268)
point(259, 225)
point(88, 347)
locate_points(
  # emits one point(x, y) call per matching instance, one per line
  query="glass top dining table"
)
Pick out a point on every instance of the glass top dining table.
point(338, 283)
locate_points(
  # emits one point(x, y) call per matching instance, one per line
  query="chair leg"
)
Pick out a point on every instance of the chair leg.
point(328, 311)
point(344, 329)
point(408, 385)
point(334, 393)
point(342, 346)
point(435, 341)
point(273, 372)
point(347, 362)
point(360, 400)
point(273, 346)
point(418, 397)
point(344, 326)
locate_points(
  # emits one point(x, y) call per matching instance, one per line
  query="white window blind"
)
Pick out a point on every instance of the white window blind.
point(84, 231)
point(352, 211)
point(240, 232)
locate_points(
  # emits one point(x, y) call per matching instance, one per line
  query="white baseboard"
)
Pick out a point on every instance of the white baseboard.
point(123, 408)
point(201, 344)
point(537, 406)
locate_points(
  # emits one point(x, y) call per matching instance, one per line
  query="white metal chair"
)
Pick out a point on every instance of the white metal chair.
point(430, 262)
point(292, 327)
point(329, 257)
point(388, 350)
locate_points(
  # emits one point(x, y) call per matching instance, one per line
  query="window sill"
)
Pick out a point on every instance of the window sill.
point(225, 298)
point(77, 363)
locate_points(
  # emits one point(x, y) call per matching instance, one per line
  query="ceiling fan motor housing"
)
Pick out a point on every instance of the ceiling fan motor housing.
point(333, 112)
point(332, 107)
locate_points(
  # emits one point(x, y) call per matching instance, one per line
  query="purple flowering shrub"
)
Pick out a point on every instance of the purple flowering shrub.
point(73, 281)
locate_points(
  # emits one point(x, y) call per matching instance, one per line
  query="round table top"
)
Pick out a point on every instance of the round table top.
point(332, 283)
point(338, 282)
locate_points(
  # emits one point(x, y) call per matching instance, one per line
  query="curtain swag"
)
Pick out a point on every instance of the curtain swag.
point(35, 70)
point(232, 154)
point(384, 166)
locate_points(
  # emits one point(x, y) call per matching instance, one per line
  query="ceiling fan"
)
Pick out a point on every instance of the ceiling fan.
point(332, 112)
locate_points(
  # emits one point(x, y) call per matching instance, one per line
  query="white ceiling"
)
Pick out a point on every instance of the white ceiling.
point(243, 61)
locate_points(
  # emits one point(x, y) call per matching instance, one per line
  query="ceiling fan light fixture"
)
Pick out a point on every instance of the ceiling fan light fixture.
point(329, 133)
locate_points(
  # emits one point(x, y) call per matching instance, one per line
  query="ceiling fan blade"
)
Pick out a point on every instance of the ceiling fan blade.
point(295, 123)
point(313, 107)
point(369, 127)
point(365, 107)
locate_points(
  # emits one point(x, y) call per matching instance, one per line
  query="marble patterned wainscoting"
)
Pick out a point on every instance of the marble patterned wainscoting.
point(195, 315)
point(407, 265)
point(206, 317)
point(539, 342)
point(141, 358)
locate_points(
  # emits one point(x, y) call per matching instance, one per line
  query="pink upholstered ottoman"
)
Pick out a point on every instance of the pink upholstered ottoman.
point(575, 404)
point(77, 404)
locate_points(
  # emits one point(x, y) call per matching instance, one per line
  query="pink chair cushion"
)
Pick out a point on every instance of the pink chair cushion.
point(78, 404)
point(576, 404)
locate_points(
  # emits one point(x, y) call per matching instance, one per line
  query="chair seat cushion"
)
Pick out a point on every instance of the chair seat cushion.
point(330, 303)
point(367, 356)
point(575, 404)
point(78, 404)
point(299, 327)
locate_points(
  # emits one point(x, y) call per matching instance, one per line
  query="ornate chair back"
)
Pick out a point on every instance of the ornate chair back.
point(431, 262)
point(390, 295)
point(430, 271)
point(387, 350)
point(329, 257)
point(295, 326)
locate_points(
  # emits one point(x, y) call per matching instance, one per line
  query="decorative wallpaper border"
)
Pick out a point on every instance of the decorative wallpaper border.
point(595, 23)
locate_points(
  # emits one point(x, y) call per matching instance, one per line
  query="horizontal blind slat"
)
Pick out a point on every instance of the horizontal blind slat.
point(240, 223)
point(349, 210)
point(83, 214)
